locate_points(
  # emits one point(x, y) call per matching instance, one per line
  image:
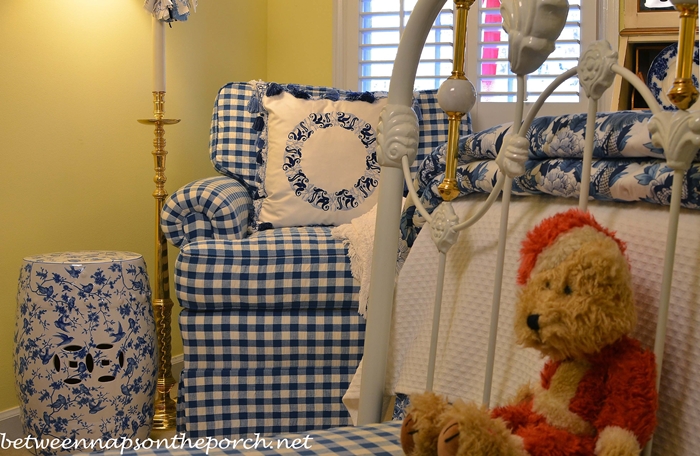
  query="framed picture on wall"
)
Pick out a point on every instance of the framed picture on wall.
point(648, 15)
point(654, 5)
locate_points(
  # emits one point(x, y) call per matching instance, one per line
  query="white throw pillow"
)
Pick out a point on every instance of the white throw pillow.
point(321, 166)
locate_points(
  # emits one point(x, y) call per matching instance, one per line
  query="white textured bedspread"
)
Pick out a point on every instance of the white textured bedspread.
point(467, 306)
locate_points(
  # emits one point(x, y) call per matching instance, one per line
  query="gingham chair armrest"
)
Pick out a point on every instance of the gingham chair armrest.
point(301, 267)
point(212, 208)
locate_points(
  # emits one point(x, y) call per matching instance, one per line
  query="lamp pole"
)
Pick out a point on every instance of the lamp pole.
point(164, 417)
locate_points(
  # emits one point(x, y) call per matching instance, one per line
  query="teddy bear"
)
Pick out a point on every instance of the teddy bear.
point(597, 390)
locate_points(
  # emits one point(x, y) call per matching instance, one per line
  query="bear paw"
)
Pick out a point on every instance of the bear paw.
point(422, 424)
point(470, 431)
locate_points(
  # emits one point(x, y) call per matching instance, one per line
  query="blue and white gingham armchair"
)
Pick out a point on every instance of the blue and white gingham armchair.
point(269, 323)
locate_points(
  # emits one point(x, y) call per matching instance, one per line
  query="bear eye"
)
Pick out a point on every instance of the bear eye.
point(567, 290)
point(546, 284)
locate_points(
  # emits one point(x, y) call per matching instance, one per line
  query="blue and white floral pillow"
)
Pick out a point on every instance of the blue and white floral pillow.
point(320, 164)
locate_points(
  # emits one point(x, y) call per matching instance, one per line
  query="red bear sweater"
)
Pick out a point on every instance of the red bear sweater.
point(610, 396)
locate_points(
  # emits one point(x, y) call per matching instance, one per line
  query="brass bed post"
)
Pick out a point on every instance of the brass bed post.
point(448, 188)
point(456, 97)
point(683, 93)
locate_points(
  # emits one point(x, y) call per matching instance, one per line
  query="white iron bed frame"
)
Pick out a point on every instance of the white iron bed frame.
point(597, 67)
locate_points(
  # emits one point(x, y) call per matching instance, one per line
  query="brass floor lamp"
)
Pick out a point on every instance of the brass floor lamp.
point(164, 417)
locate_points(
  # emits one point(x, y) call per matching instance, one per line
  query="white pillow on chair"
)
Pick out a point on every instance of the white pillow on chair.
point(321, 166)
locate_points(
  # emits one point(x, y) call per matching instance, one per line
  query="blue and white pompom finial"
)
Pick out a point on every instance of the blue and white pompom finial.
point(170, 10)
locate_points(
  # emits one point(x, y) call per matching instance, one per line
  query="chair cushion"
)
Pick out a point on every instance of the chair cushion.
point(285, 268)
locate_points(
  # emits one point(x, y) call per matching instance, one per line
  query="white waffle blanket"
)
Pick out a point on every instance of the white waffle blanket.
point(468, 294)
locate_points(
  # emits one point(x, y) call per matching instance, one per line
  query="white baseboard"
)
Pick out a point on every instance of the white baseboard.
point(11, 426)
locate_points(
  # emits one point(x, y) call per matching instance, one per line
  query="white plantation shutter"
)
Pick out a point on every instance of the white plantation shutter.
point(381, 25)
point(368, 33)
point(495, 81)
point(489, 70)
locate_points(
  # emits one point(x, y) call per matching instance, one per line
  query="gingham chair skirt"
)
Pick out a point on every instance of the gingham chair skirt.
point(271, 333)
point(266, 372)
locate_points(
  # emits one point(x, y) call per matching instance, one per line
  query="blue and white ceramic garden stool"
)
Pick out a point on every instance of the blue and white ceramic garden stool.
point(85, 349)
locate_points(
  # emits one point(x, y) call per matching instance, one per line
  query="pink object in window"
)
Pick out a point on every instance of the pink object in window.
point(490, 52)
point(488, 69)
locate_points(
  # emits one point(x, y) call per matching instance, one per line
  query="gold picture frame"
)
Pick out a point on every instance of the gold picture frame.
point(634, 21)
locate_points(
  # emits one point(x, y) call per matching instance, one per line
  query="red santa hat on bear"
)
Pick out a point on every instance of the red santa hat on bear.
point(555, 238)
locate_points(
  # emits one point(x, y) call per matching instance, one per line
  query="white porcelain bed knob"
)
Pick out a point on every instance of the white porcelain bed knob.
point(456, 95)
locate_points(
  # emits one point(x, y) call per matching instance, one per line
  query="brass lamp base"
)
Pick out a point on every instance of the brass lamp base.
point(164, 417)
point(165, 412)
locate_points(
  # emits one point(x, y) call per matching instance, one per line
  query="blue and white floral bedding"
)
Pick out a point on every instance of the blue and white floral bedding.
point(626, 166)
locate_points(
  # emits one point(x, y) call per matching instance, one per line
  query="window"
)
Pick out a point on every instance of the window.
point(382, 23)
point(375, 39)
point(368, 31)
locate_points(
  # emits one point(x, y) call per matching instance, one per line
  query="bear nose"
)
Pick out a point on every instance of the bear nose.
point(533, 322)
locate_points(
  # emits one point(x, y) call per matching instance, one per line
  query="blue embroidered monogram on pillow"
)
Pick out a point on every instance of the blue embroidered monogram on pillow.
point(339, 200)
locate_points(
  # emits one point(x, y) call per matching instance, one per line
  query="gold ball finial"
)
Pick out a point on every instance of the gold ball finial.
point(683, 94)
point(448, 189)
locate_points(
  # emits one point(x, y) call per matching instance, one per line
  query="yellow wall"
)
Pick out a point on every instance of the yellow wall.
point(295, 53)
point(76, 169)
